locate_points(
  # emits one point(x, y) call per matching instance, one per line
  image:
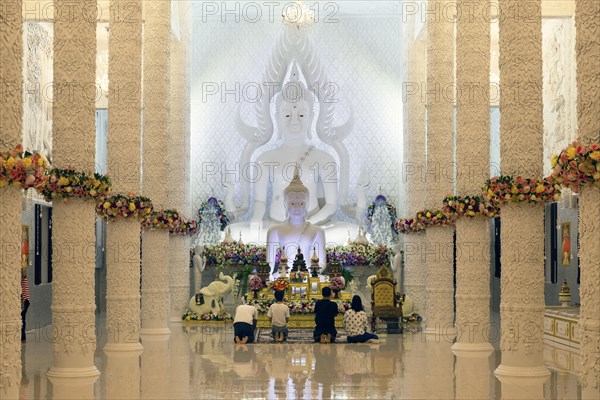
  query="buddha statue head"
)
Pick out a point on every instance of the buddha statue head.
point(294, 109)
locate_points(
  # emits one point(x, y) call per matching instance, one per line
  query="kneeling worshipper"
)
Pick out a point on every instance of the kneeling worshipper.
point(244, 323)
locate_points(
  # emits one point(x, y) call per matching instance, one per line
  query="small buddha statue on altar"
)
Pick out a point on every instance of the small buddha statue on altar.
point(299, 263)
point(298, 267)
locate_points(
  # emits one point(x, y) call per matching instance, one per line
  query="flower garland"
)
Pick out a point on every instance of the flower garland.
point(434, 218)
point(66, 183)
point(502, 189)
point(577, 165)
point(410, 225)
point(470, 206)
point(255, 283)
point(162, 219)
point(124, 206)
point(359, 254)
point(20, 168)
point(380, 199)
point(186, 226)
point(219, 209)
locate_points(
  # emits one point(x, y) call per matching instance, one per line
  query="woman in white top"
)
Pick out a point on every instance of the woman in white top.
point(356, 324)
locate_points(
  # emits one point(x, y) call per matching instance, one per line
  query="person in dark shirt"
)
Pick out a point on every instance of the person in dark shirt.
point(325, 312)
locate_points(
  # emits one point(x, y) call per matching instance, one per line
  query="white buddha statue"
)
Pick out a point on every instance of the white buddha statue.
point(294, 114)
point(296, 233)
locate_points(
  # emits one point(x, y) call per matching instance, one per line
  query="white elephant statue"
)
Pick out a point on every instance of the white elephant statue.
point(211, 296)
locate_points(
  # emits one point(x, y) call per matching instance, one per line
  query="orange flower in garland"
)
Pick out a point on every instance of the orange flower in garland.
point(279, 285)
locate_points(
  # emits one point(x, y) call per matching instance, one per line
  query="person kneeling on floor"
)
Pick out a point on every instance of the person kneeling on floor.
point(356, 323)
point(280, 315)
point(325, 312)
point(244, 323)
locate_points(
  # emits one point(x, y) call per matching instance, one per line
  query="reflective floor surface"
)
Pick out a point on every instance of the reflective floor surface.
point(204, 363)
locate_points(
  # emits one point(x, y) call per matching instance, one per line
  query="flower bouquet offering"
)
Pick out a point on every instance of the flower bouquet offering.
point(23, 169)
point(67, 183)
point(218, 207)
point(381, 200)
point(280, 284)
point(124, 206)
point(577, 166)
point(255, 283)
point(162, 219)
point(502, 189)
point(337, 283)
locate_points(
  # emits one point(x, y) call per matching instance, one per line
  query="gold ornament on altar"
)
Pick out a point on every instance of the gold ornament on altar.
point(564, 297)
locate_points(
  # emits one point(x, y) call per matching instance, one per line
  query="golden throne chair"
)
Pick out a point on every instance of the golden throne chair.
point(383, 298)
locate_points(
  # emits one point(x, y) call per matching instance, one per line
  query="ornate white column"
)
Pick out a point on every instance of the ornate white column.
point(155, 280)
point(124, 158)
point(587, 23)
point(473, 159)
point(178, 172)
point(439, 242)
point(413, 170)
point(11, 115)
point(522, 282)
point(73, 235)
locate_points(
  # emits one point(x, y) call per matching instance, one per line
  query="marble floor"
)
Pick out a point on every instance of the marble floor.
point(204, 363)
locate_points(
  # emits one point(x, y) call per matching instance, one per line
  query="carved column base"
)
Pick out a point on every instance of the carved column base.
point(466, 349)
point(125, 348)
point(522, 382)
point(179, 282)
point(73, 383)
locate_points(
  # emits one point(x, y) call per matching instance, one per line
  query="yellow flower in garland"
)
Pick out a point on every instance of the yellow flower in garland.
point(63, 181)
point(10, 162)
point(554, 161)
point(41, 162)
point(514, 189)
point(571, 152)
point(132, 206)
point(27, 162)
point(539, 188)
point(595, 155)
point(428, 215)
point(106, 205)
